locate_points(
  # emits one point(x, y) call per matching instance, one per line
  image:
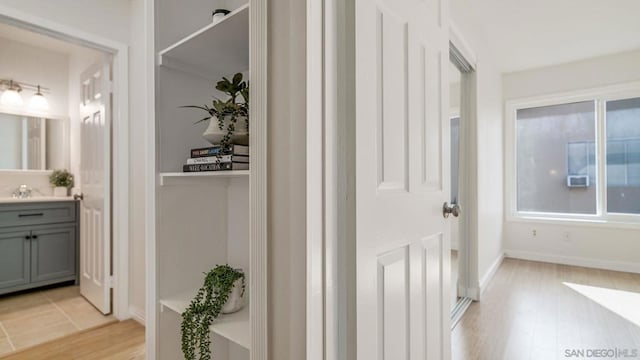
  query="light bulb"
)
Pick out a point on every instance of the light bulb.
point(38, 102)
point(11, 98)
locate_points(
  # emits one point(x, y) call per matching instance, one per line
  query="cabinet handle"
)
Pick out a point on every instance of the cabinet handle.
point(34, 237)
point(30, 215)
point(27, 237)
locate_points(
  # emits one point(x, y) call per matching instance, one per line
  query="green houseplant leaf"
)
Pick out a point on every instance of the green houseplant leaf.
point(204, 308)
point(230, 110)
point(61, 178)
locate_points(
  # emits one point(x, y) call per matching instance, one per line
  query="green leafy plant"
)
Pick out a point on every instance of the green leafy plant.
point(232, 109)
point(204, 308)
point(62, 178)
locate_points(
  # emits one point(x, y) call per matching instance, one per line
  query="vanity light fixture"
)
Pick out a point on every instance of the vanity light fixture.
point(11, 97)
point(38, 102)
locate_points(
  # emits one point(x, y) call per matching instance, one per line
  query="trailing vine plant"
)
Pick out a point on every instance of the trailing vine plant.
point(232, 109)
point(204, 308)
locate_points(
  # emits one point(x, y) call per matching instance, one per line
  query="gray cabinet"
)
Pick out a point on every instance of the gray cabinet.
point(38, 244)
point(53, 253)
point(14, 258)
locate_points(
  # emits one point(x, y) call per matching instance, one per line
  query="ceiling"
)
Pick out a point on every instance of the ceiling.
point(527, 34)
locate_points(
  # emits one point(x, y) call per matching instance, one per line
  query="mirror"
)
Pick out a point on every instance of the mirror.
point(32, 143)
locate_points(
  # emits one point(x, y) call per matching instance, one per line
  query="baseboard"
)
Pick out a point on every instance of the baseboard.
point(475, 292)
point(137, 314)
point(574, 261)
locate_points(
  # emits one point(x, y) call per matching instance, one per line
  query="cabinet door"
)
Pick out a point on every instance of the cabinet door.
point(14, 258)
point(53, 253)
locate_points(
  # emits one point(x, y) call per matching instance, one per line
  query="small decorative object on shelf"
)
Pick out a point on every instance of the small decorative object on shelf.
point(228, 120)
point(219, 14)
point(221, 293)
point(218, 158)
point(62, 181)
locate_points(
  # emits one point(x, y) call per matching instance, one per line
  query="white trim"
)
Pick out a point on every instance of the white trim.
point(120, 169)
point(315, 190)
point(456, 38)
point(468, 184)
point(630, 267)
point(489, 275)
point(31, 114)
point(599, 95)
point(137, 314)
point(258, 182)
point(151, 179)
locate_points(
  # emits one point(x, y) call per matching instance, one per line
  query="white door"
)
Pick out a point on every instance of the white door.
point(95, 180)
point(402, 180)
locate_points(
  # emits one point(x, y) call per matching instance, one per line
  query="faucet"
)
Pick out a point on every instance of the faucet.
point(22, 192)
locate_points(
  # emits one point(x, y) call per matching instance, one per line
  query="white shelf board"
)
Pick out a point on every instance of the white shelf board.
point(236, 327)
point(195, 178)
point(218, 49)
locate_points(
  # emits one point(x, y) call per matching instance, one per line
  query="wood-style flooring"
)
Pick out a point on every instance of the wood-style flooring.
point(541, 311)
point(116, 341)
point(35, 317)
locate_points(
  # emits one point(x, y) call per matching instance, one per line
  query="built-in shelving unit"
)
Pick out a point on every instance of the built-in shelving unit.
point(202, 219)
point(221, 47)
point(235, 327)
point(181, 178)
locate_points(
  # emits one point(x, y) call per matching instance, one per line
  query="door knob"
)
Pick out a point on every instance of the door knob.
point(78, 196)
point(450, 210)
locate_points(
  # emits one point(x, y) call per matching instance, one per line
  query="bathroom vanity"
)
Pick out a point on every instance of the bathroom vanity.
point(38, 242)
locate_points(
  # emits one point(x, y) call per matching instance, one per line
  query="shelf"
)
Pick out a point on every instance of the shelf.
point(215, 50)
point(195, 178)
point(235, 327)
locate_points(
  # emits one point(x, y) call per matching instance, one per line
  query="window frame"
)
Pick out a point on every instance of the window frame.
point(600, 96)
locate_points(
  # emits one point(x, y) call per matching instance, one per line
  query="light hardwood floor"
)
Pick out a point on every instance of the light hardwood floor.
point(529, 312)
point(116, 341)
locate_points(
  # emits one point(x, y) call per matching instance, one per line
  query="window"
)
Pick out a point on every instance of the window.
point(553, 143)
point(623, 156)
point(575, 159)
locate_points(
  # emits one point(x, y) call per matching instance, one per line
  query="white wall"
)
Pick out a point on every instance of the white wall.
point(34, 65)
point(610, 247)
point(112, 20)
point(489, 147)
point(287, 179)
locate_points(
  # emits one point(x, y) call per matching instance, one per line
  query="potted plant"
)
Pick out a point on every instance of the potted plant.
point(228, 120)
point(221, 293)
point(62, 181)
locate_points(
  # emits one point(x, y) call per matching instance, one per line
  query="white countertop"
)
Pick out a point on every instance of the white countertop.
point(10, 200)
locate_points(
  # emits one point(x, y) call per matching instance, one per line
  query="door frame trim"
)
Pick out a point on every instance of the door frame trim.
point(120, 140)
point(468, 185)
point(330, 123)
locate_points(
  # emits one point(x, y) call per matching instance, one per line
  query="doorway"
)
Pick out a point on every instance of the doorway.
point(460, 117)
point(83, 87)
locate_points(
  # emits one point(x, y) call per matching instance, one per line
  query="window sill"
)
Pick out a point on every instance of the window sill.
point(595, 222)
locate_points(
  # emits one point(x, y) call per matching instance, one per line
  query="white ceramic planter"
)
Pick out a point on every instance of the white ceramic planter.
point(235, 302)
point(60, 191)
point(214, 135)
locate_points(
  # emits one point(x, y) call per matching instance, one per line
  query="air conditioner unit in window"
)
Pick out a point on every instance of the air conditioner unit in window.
point(578, 181)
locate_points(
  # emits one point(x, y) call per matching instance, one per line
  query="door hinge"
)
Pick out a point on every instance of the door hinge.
point(110, 281)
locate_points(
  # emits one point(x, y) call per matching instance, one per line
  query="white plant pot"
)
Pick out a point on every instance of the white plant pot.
point(60, 191)
point(214, 135)
point(235, 302)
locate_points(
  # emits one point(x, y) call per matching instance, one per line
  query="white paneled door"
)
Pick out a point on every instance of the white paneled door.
point(402, 180)
point(95, 179)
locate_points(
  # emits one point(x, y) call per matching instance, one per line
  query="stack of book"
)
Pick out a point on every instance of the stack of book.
point(217, 158)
